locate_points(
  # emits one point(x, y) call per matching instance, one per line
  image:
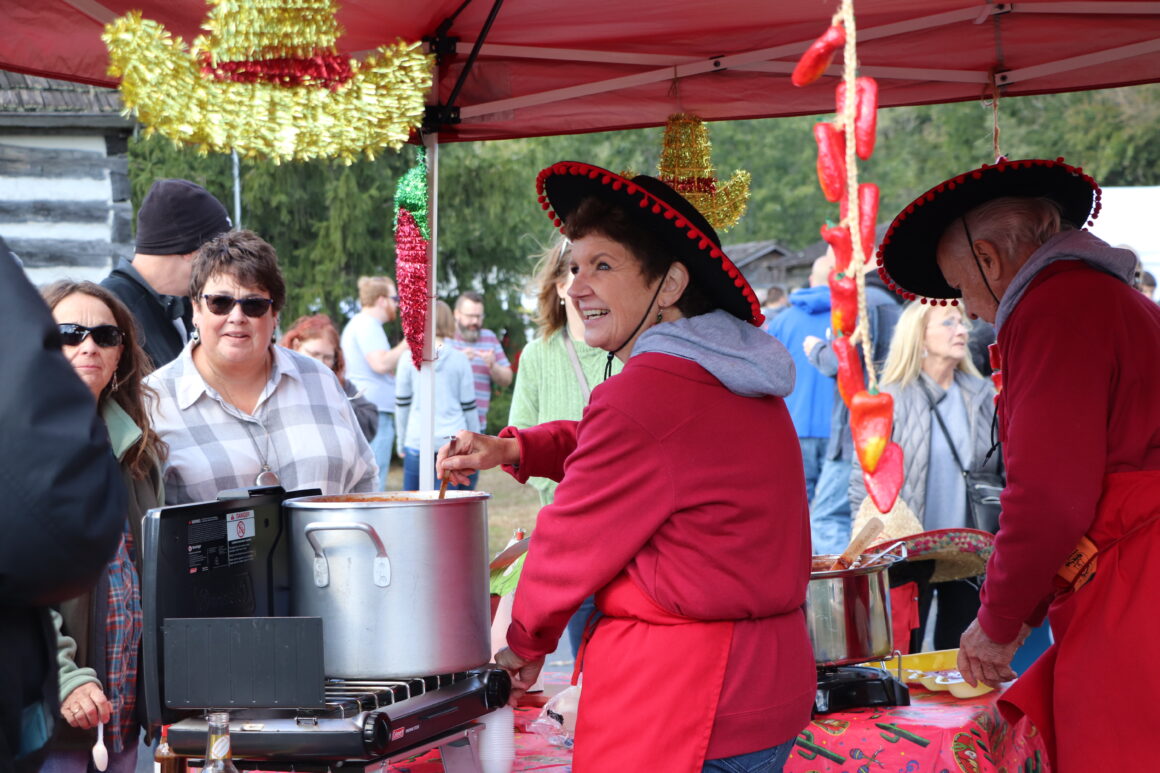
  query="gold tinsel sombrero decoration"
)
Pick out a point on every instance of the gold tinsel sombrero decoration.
point(687, 168)
point(268, 82)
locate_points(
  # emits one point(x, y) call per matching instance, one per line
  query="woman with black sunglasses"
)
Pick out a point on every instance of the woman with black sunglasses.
point(238, 411)
point(99, 633)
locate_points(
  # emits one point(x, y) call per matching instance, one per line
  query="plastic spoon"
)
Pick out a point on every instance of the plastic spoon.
point(100, 753)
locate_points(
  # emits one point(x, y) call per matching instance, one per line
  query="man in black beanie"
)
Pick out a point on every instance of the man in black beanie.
point(174, 220)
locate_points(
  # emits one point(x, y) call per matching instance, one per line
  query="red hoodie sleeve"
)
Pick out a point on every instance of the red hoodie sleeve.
point(617, 491)
point(1058, 378)
point(543, 449)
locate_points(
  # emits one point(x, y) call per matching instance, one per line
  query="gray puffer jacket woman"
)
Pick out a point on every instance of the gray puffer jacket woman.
point(914, 429)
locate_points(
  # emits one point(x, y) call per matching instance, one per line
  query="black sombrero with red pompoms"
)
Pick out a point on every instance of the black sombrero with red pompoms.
point(906, 257)
point(562, 186)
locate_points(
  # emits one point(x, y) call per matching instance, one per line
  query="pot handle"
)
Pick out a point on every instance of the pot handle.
point(380, 567)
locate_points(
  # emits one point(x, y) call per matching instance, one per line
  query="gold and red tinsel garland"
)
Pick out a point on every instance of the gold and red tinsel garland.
point(412, 239)
point(267, 81)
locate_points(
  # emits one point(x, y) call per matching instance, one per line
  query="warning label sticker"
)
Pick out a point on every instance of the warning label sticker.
point(221, 541)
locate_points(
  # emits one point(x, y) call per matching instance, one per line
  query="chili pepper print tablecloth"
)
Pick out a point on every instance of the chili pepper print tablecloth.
point(937, 732)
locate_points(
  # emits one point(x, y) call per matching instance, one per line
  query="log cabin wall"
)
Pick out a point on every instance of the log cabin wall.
point(65, 205)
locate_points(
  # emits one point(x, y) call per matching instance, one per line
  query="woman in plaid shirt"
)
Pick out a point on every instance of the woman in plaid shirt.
point(99, 633)
point(238, 411)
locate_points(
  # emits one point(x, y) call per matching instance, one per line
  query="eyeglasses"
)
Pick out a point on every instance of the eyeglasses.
point(952, 322)
point(251, 307)
point(104, 336)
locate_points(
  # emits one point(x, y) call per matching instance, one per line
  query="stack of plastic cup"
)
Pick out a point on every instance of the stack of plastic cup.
point(497, 743)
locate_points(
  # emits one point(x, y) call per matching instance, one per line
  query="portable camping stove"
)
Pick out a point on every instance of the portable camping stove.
point(363, 723)
point(849, 687)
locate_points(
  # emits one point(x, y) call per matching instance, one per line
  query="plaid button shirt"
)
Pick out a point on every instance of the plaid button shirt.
point(303, 424)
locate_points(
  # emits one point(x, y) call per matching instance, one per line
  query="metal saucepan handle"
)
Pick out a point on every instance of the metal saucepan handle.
point(898, 547)
point(380, 567)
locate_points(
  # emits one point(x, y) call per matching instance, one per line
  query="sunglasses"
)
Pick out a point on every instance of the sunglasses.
point(104, 336)
point(251, 307)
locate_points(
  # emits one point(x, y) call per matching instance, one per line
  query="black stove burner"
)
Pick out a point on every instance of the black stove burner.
point(850, 687)
point(347, 697)
point(361, 719)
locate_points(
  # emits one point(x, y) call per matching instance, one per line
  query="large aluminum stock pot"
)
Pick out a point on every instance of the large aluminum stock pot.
point(400, 580)
point(848, 611)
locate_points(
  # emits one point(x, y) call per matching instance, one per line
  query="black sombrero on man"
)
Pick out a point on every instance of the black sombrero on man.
point(906, 258)
point(564, 185)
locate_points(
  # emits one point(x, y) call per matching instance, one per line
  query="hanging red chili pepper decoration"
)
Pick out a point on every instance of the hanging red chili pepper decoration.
point(865, 114)
point(871, 422)
point(831, 160)
point(884, 484)
point(838, 238)
point(843, 303)
point(868, 217)
point(850, 377)
point(818, 56)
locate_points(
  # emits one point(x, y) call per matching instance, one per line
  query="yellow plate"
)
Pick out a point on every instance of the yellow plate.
point(922, 668)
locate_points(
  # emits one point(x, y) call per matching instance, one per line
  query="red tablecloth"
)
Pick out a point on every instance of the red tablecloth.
point(936, 733)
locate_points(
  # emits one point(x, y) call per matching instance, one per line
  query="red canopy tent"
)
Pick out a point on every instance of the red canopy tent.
point(556, 68)
point(535, 67)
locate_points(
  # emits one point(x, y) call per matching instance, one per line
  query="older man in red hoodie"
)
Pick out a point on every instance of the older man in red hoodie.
point(1078, 355)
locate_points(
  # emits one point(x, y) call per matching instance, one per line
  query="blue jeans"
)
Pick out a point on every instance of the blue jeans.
point(82, 761)
point(384, 446)
point(813, 457)
point(579, 621)
point(770, 760)
point(411, 473)
point(830, 508)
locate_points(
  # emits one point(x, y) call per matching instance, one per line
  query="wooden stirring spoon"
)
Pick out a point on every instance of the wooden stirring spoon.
point(443, 485)
point(863, 539)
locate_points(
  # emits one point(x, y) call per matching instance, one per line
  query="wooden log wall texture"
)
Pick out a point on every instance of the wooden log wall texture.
point(64, 201)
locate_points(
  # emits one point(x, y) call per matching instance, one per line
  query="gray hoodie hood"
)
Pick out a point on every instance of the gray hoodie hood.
point(1068, 245)
point(746, 359)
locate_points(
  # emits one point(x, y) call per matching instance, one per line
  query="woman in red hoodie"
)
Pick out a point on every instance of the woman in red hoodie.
point(681, 502)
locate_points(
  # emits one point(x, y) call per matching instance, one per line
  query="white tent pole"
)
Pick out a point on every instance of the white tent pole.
point(426, 384)
point(237, 189)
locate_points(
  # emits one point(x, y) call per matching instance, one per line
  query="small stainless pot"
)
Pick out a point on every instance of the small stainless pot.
point(848, 611)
